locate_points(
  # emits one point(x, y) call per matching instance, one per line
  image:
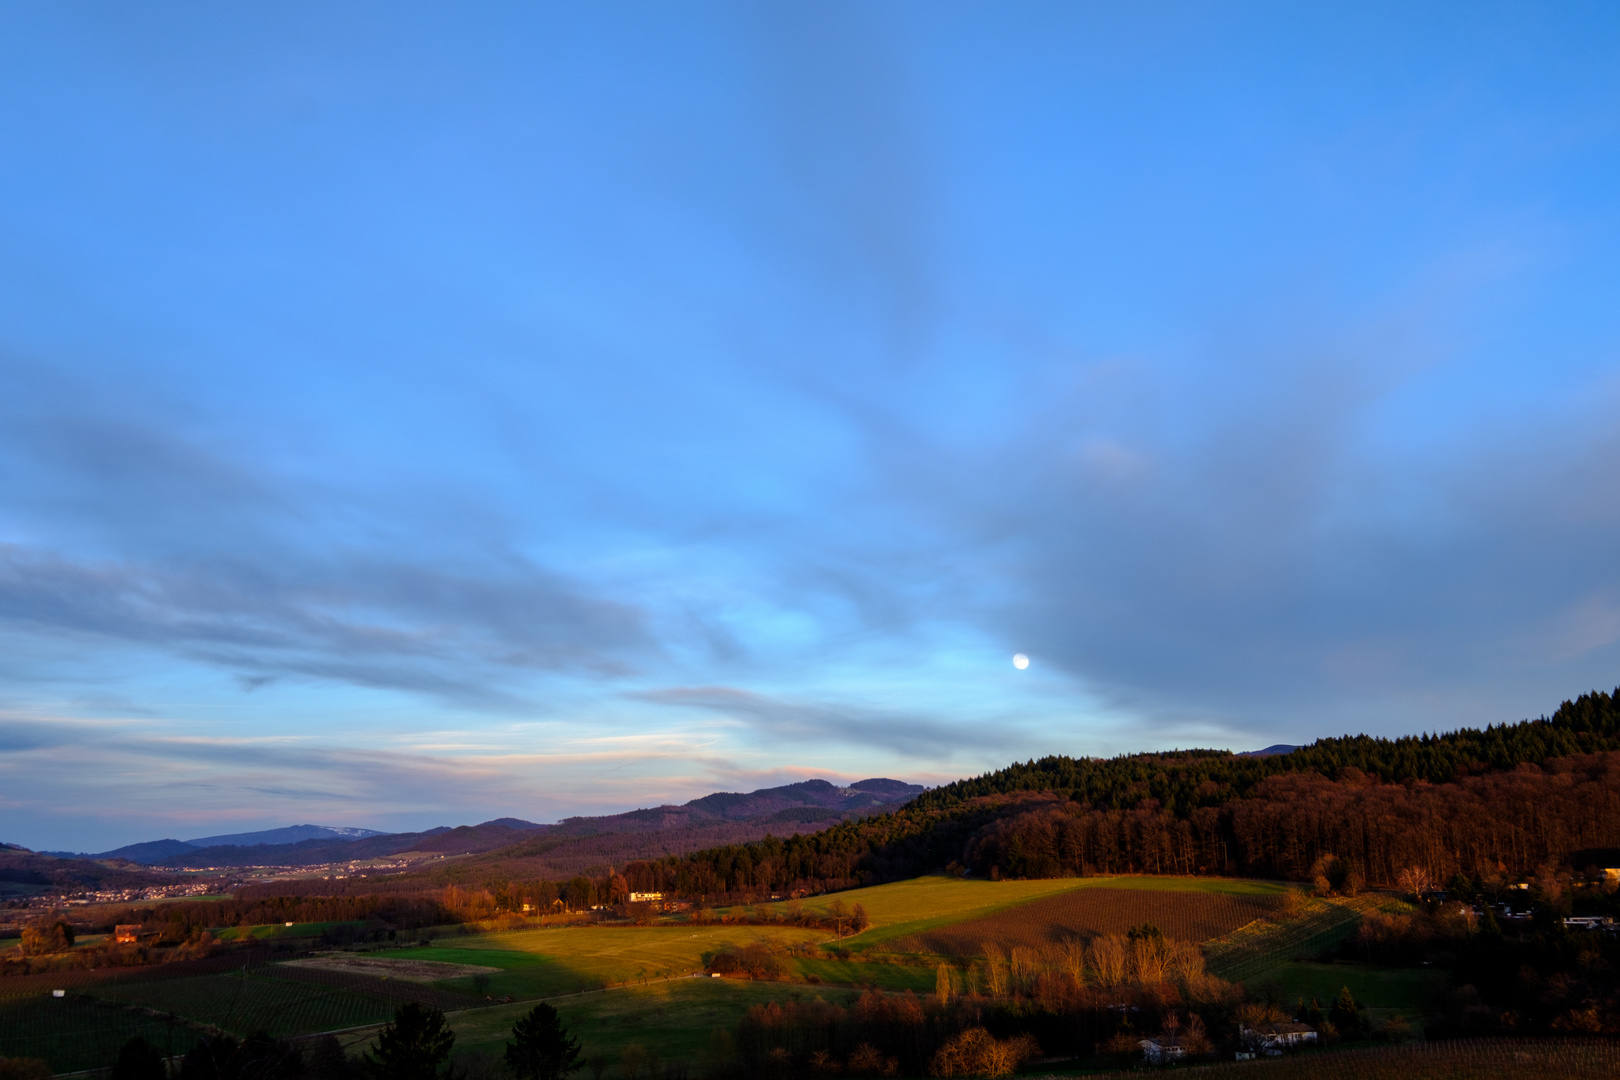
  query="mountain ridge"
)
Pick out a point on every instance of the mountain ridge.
point(814, 801)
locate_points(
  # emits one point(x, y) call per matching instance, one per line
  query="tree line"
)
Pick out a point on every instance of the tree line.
point(1502, 801)
point(183, 920)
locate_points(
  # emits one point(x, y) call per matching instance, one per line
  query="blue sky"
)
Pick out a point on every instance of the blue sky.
point(412, 416)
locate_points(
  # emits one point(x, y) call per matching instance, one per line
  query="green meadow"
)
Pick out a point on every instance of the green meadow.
point(542, 963)
point(673, 1020)
point(903, 908)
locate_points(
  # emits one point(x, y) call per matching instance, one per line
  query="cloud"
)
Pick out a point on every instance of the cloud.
point(75, 784)
point(217, 561)
point(1276, 567)
point(801, 721)
point(457, 636)
point(128, 779)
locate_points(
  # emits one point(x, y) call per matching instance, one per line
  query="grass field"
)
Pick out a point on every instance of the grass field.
point(256, 1002)
point(908, 909)
point(1183, 915)
point(541, 963)
point(860, 973)
point(673, 1020)
point(75, 1032)
point(653, 1003)
point(268, 931)
point(1402, 990)
point(1251, 951)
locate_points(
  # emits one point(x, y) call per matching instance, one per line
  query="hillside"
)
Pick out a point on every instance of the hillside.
point(24, 872)
point(1505, 799)
point(566, 848)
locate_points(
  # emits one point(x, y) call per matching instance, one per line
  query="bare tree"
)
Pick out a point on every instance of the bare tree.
point(1414, 880)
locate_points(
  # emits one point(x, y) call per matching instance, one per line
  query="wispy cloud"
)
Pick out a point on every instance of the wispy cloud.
point(92, 785)
point(227, 563)
point(802, 721)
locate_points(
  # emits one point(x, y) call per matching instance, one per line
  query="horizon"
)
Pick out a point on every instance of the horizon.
point(421, 416)
point(610, 812)
point(471, 824)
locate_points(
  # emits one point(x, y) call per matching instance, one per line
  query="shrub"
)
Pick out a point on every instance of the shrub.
point(754, 960)
point(975, 1052)
point(139, 1060)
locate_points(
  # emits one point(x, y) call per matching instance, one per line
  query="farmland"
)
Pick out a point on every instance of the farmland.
point(78, 1032)
point(1184, 915)
point(620, 984)
point(923, 903)
point(543, 963)
point(904, 914)
point(259, 1002)
point(1252, 950)
point(673, 1020)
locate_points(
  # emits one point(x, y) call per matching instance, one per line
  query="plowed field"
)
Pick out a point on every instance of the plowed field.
point(1086, 913)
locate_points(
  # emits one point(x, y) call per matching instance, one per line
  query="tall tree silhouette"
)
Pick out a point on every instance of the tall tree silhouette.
point(541, 1048)
point(412, 1046)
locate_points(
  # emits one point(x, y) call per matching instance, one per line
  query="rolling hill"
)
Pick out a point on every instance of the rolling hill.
point(566, 847)
point(1506, 799)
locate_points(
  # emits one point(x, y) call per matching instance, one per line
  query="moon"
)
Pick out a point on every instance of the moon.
point(1020, 661)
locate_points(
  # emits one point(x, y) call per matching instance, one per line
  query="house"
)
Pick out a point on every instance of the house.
point(1162, 1050)
point(646, 897)
point(126, 933)
point(1273, 1039)
point(1588, 922)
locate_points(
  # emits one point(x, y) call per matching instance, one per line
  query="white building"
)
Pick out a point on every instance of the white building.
point(1162, 1051)
point(1273, 1039)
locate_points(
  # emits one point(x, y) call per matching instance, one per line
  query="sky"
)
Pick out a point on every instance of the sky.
point(413, 415)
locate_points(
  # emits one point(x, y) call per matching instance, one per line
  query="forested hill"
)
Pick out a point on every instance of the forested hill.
point(1181, 780)
point(1503, 801)
point(1507, 800)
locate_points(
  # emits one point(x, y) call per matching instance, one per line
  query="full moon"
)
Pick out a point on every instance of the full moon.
point(1020, 661)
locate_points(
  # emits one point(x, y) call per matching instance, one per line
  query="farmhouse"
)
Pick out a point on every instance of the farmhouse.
point(1273, 1039)
point(1162, 1050)
point(126, 933)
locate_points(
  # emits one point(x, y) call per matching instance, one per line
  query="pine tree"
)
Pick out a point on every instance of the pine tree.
point(541, 1048)
point(412, 1046)
point(1346, 1015)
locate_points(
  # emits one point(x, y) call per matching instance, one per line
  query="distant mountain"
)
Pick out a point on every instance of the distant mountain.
point(723, 817)
point(151, 853)
point(1270, 751)
point(173, 852)
point(291, 834)
point(735, 806)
